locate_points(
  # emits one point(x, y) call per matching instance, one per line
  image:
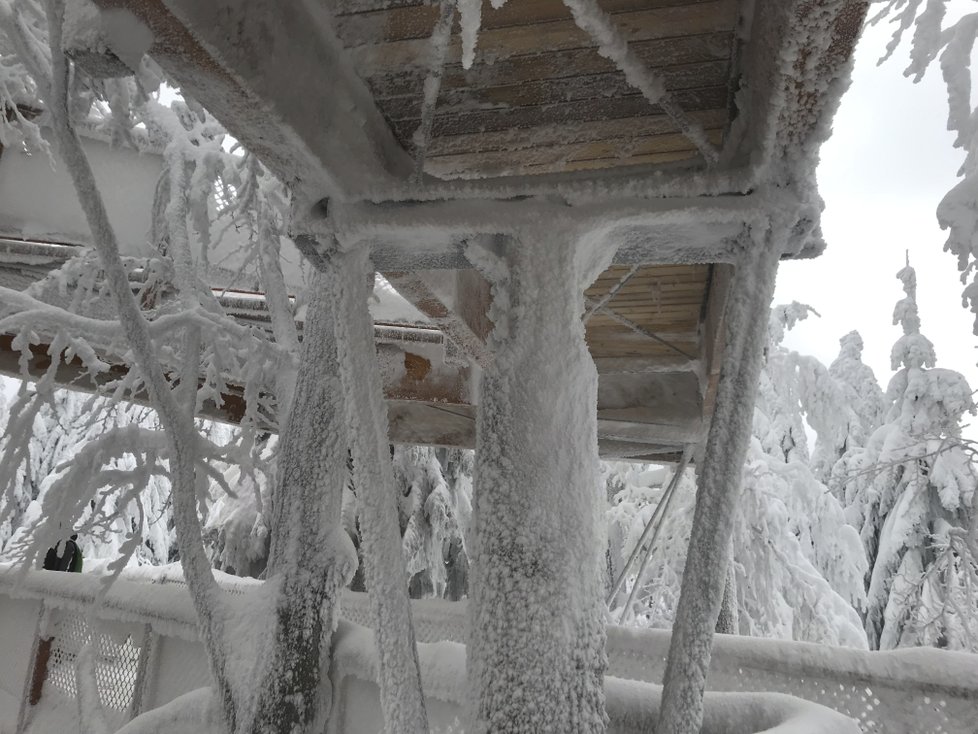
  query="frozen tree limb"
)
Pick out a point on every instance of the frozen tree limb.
point(719, 488)
point(177, 423)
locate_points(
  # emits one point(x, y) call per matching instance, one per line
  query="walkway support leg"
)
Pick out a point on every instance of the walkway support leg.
point(536, 655)
point(719, 486)
point(311, 555)
point(399, 674)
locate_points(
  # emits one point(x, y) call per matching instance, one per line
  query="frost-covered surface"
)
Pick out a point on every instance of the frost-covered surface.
point(899, 690)
point(632, 705)
point(705, 572)
point(536, 645)
point(346, 280)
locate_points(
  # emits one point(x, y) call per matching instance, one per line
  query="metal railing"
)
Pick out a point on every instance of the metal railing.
point(900, 692)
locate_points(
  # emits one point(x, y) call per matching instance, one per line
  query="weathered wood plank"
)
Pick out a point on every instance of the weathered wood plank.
point(657, 53)
point(608, 87)
point(375, 25)
point(495, 45)
point(590, 165)
point(586, 110)
point(543, 155)
point(584, 132)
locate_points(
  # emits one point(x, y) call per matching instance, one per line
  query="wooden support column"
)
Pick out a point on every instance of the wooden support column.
point(311, 556)
point(745, 326)
point(399, 674)
point(536, 655)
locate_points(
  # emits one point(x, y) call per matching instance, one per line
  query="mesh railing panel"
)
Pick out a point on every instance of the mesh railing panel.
point(116, 661)
point(879, 705)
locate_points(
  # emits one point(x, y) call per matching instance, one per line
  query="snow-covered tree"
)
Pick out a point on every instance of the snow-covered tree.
point(183, 350)
point(857, 412)
point(798, 566)
point(912, 499)
point(951, 44)
point(64, 423)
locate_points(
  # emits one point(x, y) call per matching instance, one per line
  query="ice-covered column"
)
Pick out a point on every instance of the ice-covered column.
point(399, 675)
point(536, 655)
point(720, 473)
point(311, 555)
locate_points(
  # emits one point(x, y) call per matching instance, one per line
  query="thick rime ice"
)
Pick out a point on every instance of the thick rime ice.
point(536, 655)
point(311, 556)
point(720, 478)
point(373, 476)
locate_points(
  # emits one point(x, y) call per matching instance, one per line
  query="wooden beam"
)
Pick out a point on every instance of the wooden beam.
point(463, 322)
point(281, 83)
point(711, 330)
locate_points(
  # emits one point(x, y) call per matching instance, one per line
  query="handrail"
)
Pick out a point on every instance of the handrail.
point(893, 691)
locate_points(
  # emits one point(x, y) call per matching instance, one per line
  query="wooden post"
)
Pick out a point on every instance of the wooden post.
point(746, 322)
point(536, 654)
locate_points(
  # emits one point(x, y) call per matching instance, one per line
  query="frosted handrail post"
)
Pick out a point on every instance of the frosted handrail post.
point(745, 328)
point(536, 648)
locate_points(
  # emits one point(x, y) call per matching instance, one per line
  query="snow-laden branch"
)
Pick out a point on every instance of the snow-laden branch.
point(953, 46)
point(205, 591)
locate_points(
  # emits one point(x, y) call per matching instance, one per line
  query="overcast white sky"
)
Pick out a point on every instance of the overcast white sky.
point(883, 173)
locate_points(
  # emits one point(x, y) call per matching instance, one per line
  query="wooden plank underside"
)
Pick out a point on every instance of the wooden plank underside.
point(666, 301)
point(609, 86)
point(367, 21)
point(561, 113)
point(372, 54)
point(568, 133)
point(659, 53)
point(656, 148)
point(536, 70)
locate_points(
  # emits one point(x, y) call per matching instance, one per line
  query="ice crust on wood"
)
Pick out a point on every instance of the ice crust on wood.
point(536, 641)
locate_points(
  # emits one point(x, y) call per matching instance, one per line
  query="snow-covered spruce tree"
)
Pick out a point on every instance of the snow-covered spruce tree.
point(798, 565)
point(912, 499)
point(845, 424)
